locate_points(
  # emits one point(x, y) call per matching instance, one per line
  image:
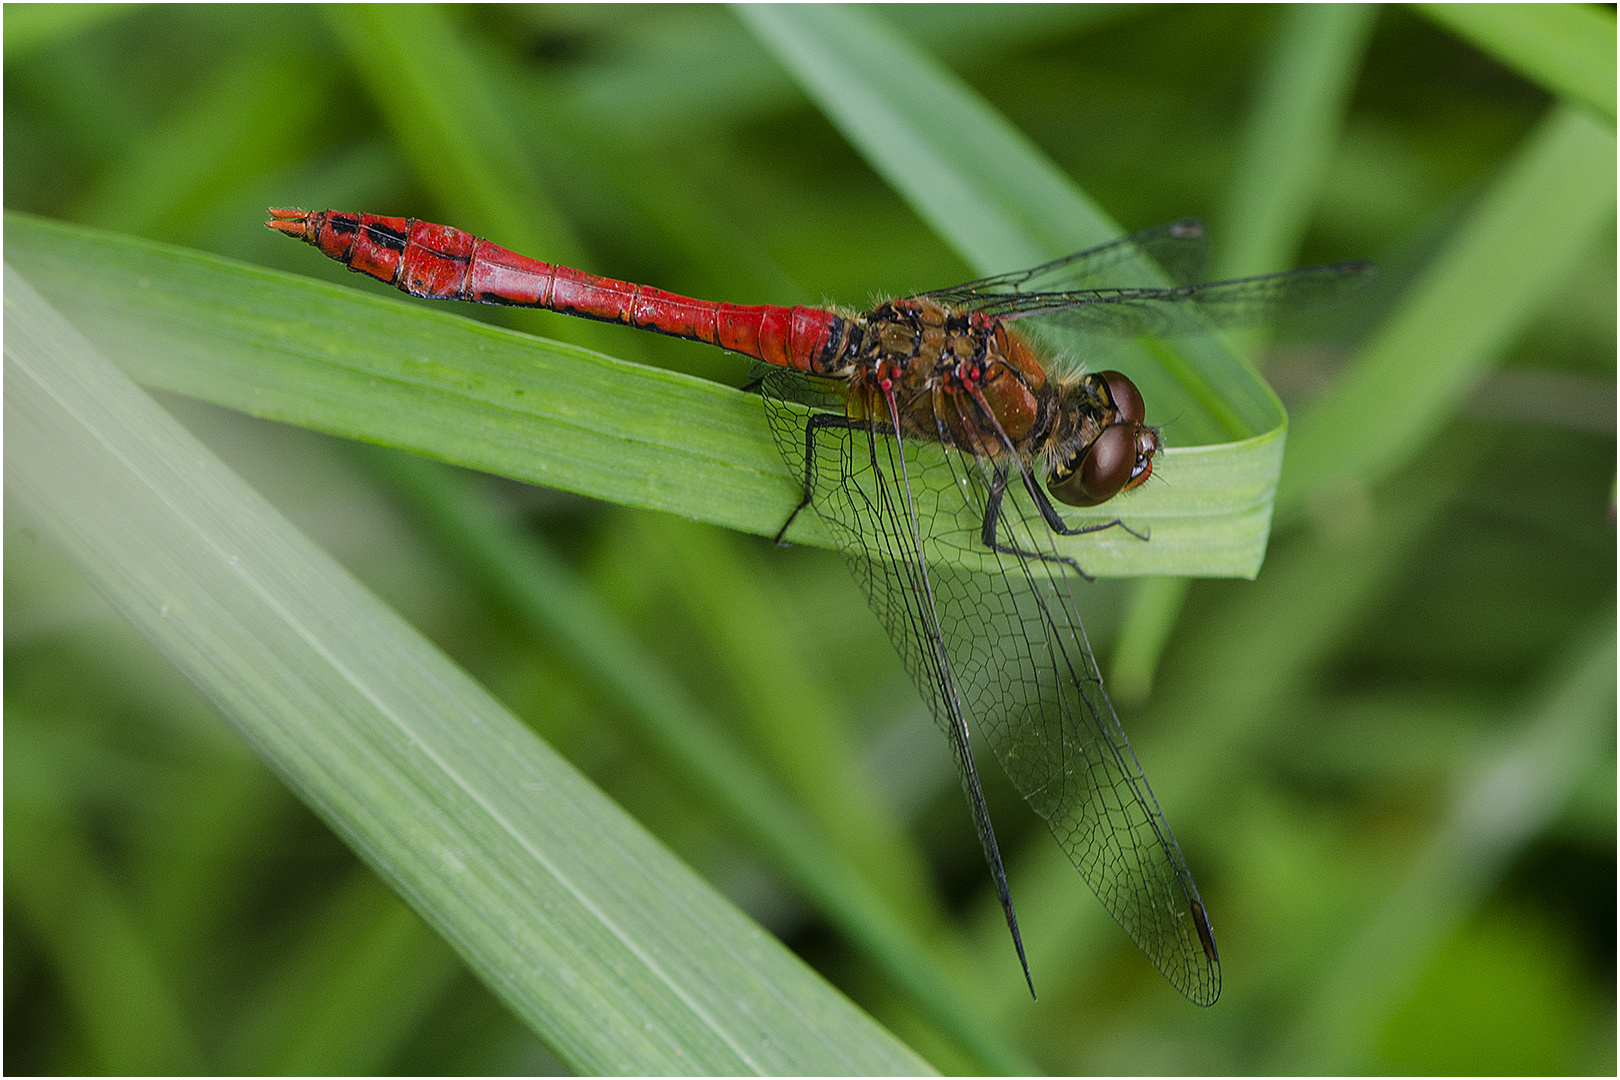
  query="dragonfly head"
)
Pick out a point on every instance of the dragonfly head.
point(1120, 457)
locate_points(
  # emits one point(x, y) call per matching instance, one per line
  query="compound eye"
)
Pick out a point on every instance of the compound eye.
point(1127, 398)
point(1104, 470)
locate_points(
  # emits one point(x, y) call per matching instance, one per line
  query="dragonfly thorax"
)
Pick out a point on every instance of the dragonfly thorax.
point(961, 379)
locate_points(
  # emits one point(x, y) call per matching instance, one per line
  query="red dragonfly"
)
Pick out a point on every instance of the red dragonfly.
point(946, 434)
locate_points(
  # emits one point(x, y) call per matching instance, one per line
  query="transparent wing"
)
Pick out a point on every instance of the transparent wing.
point(860, 491)
point(995, 640)
point(1253, 301)
point(1173, 254)
point(1145, 284)
point(1018, 643)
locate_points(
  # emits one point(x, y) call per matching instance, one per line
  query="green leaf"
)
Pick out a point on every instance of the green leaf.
point(105, 961)
point(35, 26)
point(974, 178)
point(425, 380)
point(540, 589)
point(354, 989)
point(252, 117)
point(1478, 294)
point(705, 70)
point(1294, 125)
point(1567, 48)
point(1498, 806)
point(620, 957)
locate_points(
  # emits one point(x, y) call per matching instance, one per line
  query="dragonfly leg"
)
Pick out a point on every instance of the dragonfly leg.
point(816, 422)
point(992, 518)
point(1055, 522)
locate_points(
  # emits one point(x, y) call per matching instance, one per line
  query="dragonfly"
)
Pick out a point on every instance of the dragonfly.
point(932, 434)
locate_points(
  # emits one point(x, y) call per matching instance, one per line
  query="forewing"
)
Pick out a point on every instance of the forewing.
point(1173, 254)
point(996, 640)
point(1188, 309)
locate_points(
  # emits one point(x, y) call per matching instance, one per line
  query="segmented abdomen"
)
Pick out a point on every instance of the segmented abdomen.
point(444, 263)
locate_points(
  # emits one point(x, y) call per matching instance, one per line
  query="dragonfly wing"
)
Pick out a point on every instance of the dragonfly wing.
point(1188, 309)
point(861, 492)
point(1033, 687)
point(1173, 254)
point(995, 641)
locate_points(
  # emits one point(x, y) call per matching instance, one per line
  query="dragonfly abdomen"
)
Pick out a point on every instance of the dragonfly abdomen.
point(443, 263)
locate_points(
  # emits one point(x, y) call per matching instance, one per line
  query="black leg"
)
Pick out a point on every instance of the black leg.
point(1055, 522)
point(992, 518)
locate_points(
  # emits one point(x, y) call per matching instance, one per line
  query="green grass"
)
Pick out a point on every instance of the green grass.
point(1562, 47)
point(1522, 241)
point(611, 949)
point(524, 715)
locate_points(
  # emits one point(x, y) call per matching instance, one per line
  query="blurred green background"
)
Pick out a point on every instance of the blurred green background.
point(1389, 760)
